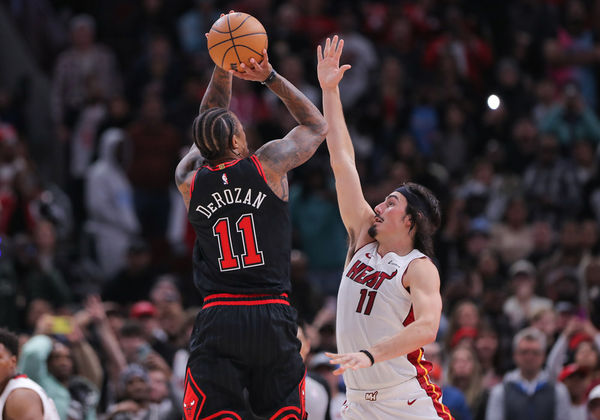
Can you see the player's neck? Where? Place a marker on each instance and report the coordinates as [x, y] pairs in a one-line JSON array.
[[400, 247], [223, 159]]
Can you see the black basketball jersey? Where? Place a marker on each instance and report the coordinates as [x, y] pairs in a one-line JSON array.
[[243, 231]]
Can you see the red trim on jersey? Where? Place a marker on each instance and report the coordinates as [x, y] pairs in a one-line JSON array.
[[222, 166], [433, 391], [258, 166], [192, 184], [288, 416], [245, 303], [410, 318], [22, 375], [222, 413], [229, 295]]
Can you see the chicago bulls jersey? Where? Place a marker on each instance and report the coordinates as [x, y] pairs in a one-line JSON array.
[[243, 231], [374, 305]]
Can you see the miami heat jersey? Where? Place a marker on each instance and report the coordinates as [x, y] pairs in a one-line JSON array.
[[22, 381], [243, 231], [374, 305]]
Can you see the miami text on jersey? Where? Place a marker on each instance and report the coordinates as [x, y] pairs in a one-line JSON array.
[[235, 196]]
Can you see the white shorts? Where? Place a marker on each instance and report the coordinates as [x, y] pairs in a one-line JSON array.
[[415, 399]]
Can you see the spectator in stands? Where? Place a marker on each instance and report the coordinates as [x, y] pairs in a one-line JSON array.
[[593, 403], [464, 373], [524, 303], [528, 392], [112, 221], [67, 368], [80, 67]]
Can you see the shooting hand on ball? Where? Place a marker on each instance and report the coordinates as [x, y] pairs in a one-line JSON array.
[[255, 71], [328, 68]]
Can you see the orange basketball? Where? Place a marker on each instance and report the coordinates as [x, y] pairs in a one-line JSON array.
[[235, 38]]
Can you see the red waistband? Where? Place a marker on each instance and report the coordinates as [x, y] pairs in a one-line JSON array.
[[228, 299]]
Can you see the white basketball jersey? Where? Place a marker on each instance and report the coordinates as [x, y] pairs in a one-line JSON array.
[[374, 305], [22, 381]]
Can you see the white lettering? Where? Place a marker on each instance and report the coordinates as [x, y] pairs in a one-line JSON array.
[[258, 200], [211, 206], [204, 211], [248, 198], [238, 191], [228, 196], [218, 199]]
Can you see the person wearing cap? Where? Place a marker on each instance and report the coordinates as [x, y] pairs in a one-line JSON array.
[[575, 379], [524, 303], [593, 403], [528, 393], [389, 303]]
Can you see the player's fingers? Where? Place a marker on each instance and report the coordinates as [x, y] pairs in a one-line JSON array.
[[338, 50], [254, 64], [344, 68], [265, 56], [319, 54], [334, 44], [327, 46]]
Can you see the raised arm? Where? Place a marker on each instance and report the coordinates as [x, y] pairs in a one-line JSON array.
[[356, 213], [280, 156]]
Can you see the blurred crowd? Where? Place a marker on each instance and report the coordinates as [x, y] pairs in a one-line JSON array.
[[492, 105]]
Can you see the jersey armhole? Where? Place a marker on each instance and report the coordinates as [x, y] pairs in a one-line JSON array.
[[259, 168], [193, 180], [406, 271]]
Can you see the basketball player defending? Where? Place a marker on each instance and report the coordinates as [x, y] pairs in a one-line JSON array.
[[20, 397], [245, 333], [389, 303]]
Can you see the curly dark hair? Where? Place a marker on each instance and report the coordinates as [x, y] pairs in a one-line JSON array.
[[426, 220], [10, 341], [213, 132]]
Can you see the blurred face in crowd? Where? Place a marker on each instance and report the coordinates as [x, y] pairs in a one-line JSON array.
[[82, 36], [486, 345], [548, 150], [159, 385], [529, 357], [523, 285], [545, 322], [60, 362], [467, 315], [8, 365], [462, 363], [137, 389], [44, 236], [131, 347], [516, 213], [586, 355]]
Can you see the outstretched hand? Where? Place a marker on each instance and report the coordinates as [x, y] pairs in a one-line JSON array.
[[256, 72], [345, 361], [328, 68]]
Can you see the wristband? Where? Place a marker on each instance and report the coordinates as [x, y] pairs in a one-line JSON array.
[[269, 78], [369, 355]]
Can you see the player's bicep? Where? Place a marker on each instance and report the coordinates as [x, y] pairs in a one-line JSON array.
[[23, 404], [281, 156], [424, 281]]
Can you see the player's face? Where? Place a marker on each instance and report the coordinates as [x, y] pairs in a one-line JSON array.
[[8, 364], [390, 217]]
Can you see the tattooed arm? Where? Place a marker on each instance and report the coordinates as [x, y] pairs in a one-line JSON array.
[[218, 95], [279, 156], [185, 171]]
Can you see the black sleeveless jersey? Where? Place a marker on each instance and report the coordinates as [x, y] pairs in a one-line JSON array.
[[243, 231]]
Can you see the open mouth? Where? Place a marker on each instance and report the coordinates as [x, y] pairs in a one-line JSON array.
[[378, 219]]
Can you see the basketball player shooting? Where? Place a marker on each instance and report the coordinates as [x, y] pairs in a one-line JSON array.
[[244, 337], [389, 303]]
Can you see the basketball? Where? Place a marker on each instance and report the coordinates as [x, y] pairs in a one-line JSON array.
[[235, 38]]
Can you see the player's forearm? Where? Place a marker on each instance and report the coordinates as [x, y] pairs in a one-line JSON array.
[[339, 143], [413, 337], [218, 93], [301, 108]]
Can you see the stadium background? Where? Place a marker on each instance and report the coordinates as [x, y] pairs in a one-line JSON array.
[[517, 173]]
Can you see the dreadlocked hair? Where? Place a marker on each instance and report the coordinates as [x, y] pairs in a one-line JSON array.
[[426, 223], [213, 132]]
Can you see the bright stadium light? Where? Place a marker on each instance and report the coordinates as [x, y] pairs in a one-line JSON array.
[[493, 102]]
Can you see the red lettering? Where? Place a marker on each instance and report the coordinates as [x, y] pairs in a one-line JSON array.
[[383, 277], [356, 269], [361, 277], [371, 280]]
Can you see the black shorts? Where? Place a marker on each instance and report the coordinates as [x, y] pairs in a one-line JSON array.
[[245, 342]]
